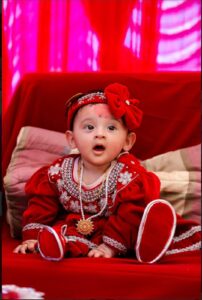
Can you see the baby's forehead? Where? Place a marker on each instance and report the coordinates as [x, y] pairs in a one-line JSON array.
[[97, 109]]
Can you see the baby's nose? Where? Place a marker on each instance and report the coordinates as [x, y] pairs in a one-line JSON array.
[[100, 133]]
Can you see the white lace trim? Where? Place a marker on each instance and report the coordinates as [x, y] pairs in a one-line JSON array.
[[33, 226], [114, 243], [187, 234], [73, 238], [196, 246]]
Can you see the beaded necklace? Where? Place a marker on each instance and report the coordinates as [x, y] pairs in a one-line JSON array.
[[86, 226]]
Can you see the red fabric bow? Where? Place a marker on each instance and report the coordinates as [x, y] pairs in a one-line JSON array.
[[121, 106]]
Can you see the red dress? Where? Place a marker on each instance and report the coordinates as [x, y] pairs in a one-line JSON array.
[[53, 193]]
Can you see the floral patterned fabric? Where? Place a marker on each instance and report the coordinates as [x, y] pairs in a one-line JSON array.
[[54, 195]]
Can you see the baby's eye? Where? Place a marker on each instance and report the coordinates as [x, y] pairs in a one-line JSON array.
[[89, 127], [111, 128]]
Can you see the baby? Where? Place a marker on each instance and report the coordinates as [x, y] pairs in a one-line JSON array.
[[101, 202]]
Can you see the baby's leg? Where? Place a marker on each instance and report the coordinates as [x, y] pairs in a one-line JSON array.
[[54, 243], [156, 231]]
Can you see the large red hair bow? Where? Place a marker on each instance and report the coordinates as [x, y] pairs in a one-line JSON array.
[[121, 106]]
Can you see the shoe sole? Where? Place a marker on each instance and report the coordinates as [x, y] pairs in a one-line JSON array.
[[142, 226]]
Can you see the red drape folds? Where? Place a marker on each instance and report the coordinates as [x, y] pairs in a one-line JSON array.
[[110, 23], [6, 74], [149, 34], [98, 35], [43, 35]]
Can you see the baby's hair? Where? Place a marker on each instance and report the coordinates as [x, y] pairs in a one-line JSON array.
[[71, 100], [74, 98]]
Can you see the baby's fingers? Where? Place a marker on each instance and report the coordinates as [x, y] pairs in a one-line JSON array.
[[26, 247], [98, 254], [21, 249], [17, 249], [91, 253], [95, 253], [32, 246]]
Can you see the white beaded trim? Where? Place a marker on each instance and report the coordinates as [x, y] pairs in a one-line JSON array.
[[187, 234], [73, 238], [114, 243], [33, 226], [91, 96], [196, 246], [90, 195]]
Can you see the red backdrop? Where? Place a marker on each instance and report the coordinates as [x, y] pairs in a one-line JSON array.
[[85, 35]]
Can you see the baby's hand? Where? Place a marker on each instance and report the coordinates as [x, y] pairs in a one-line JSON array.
[[26, 246], [102, 251]]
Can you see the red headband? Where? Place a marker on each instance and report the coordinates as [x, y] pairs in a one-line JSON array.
[[117, 97]]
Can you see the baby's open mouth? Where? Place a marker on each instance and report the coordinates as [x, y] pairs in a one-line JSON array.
[[99, 148]]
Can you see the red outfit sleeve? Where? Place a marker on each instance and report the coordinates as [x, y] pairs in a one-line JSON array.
[[120, 232], [43, 204]]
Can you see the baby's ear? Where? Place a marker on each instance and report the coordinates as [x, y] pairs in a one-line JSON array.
[[70, 139], [130, 141]]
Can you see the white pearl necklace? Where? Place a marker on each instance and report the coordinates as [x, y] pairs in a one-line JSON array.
[[85, 226]]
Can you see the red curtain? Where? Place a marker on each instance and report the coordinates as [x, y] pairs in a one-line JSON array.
[[98, 35], [110, 23]]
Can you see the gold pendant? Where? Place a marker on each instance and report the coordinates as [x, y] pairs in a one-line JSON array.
[[85, 226]]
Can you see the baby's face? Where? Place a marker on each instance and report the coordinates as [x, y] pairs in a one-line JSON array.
[[98, 135]]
